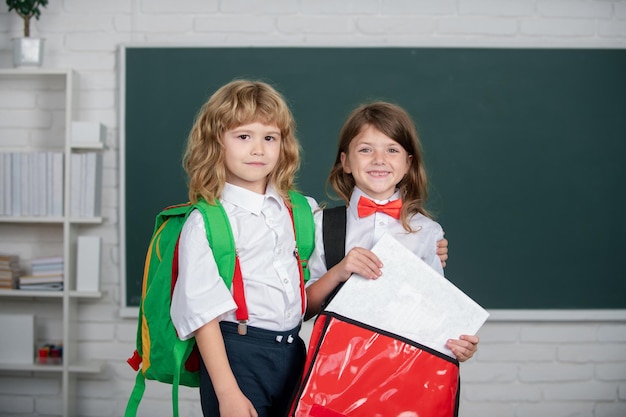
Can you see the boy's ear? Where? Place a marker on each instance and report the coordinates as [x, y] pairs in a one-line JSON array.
[[345, 163]]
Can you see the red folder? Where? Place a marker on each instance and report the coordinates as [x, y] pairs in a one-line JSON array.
[[355, 370]]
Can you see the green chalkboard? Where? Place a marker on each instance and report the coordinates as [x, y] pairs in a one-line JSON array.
[[525, 151]]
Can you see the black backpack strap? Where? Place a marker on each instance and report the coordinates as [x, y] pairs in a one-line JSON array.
[[334, 235]]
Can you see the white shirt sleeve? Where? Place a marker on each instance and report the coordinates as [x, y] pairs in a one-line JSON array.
[[317, 260], [200, 294]]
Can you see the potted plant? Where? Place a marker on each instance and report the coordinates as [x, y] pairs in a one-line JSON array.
[[27, 50]]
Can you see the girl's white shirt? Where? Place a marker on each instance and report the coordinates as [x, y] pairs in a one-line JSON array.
[[264, 238], [366, 231]]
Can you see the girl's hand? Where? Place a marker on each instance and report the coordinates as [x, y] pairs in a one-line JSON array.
[[359, 261], [442, 251], [464, 348], [236, 404]]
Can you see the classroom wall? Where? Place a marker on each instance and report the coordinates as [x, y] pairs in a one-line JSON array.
[[555, 366]]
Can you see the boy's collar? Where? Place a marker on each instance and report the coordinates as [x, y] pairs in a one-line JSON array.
[[249, 200]]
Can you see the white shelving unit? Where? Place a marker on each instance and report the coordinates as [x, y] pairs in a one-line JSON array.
[[63, 304]]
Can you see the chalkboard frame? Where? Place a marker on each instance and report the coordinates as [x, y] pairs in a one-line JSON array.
[[580, 313]]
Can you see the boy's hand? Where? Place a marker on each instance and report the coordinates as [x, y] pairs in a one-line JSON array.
[[236, 404], [464, 348]]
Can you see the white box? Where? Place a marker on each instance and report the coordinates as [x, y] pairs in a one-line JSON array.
[[88, 263], [87, 132], [17, 344]]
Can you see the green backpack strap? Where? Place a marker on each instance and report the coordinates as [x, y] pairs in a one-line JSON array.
[[220, 237], [304, 229], [179, 352], [136, 395], [220, 234]]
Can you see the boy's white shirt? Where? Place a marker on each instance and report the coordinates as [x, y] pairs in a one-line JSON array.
[[263, 233], [366, 232]]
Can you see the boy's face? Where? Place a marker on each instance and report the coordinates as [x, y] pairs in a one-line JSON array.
[[377, 163], [251, 153]]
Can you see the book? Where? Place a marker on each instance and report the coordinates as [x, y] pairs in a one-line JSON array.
[[75, 184], [40, 174], [47, 260], [9, 274], [16, 183], [56, 191], [9, 261], [92, 190], [8, 192], [25, 184], [2, 186], [49, 286], [40, 279]]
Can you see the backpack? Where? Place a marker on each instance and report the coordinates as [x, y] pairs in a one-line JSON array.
[[160, 353]]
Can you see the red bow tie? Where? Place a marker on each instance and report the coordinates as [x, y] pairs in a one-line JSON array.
[[367, 207]]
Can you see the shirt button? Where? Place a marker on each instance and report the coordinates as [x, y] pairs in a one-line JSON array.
[[286, 281]]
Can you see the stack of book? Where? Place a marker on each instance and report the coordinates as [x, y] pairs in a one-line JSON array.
[[9, 271], [47, 274], [31, 184], [86, 184]]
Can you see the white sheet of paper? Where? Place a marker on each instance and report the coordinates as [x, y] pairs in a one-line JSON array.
[[410, 300]]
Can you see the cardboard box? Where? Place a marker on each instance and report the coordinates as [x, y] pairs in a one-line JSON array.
[[88, 263], [17, 344], [87, 132]]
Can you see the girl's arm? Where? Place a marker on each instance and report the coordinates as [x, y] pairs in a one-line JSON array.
[[358, 261], [231, 399], [464, 348]]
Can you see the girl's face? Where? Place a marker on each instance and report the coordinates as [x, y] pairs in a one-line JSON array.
[[251, 154], [377, 162]]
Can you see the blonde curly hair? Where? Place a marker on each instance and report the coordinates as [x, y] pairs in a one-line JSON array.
[[234, 104]]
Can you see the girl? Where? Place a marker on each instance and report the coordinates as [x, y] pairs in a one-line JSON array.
[[242, 151], [379, 162]]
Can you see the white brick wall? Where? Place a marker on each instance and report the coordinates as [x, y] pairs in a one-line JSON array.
[[528, 368]]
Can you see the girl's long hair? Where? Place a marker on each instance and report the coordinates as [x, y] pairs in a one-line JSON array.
[[237, 103], [394, 122]]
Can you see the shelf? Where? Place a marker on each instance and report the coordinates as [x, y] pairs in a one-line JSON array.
[[78, 368], [86, 220], [46, 85], [34, 71], [30, 367], [83, 367], [83, 294], [30, 294], [30, 219], [17, 293], [49, 220]]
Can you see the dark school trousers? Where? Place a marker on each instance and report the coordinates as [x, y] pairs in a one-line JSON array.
[[267, 366]]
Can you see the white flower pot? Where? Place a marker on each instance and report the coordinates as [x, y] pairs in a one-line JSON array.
[[27, 52]]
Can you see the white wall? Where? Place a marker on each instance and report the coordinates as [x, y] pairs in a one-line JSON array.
[[527, 368]]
